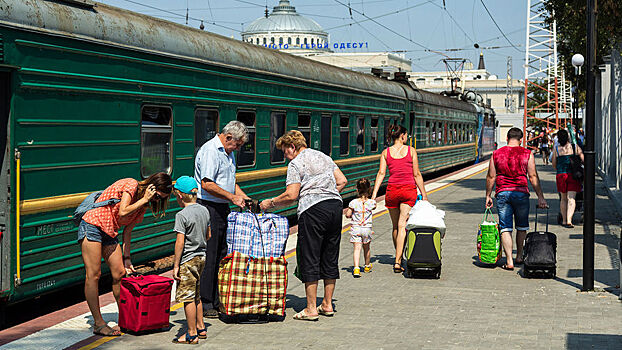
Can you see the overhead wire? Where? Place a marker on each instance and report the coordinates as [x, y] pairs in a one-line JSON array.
[[379, 16], [180, 15], [391, 30], [495, 22]]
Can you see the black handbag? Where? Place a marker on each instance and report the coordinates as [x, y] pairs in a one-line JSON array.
[[576, 165]]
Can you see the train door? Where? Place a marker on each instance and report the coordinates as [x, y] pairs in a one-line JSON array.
[[326, 137], [5, 159]]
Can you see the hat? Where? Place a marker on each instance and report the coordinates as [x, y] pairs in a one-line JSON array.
[[186, 184]]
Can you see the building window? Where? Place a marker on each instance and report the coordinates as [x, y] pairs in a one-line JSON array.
[[304, 126], [420, 80], [305, 41], [246, 155], [326, 134], [277, 129], [281, 41], [360, 135], [344, 135], [156, 136], [312, 41], [272, 40], [265, 42], [374, 134], [289, 41], [205, 126], [297, 41], [257, 41]]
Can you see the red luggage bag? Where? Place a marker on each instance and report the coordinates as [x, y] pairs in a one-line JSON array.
[[145, 302]]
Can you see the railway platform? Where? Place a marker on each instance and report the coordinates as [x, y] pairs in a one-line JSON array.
[[470, 307]]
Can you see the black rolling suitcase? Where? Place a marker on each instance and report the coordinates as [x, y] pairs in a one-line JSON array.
[[540, 252], [422, 251]]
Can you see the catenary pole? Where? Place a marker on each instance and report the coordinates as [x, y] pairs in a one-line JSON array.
[[589, 182]]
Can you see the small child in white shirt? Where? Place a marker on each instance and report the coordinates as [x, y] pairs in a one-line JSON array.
[[360, 210]]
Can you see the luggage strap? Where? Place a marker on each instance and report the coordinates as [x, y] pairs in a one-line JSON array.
[[265, 267]]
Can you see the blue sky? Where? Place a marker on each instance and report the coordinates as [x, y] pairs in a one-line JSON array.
[[412, 26]]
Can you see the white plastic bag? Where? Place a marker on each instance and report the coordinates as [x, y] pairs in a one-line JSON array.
[[424, 214]]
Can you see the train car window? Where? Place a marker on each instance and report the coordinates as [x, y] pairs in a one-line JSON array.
[[156, 137], [344, 135], [426, 135], [374, 134], [304, 126], [326, 139], [277, 129], [246, 155], [434, 133], [205, 126], [439, 134], [360, 135], [455, 128]]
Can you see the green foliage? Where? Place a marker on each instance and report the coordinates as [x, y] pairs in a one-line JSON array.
[[572, 30]]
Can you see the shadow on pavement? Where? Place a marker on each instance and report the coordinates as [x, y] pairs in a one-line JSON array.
[[577, 341]]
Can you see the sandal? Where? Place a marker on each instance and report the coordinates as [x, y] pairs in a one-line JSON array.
[[320, 310], [302, 316], [518, 262], [109, 331], [201, 336], [397, 268], [568, 225], [190, 339], [505, 267]]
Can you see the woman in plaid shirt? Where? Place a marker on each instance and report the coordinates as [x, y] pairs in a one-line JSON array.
[[315, 181]]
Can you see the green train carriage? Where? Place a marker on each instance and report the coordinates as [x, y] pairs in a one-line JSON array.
[[92, 93]]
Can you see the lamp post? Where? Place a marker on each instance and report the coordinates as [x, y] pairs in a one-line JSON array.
[[577, 63]]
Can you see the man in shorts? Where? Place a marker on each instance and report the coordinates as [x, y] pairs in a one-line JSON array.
[[510, 167]]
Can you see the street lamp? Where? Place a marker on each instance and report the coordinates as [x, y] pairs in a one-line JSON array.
[[577, 63]]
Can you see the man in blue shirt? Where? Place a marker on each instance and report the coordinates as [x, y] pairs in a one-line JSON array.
[[214, 169]]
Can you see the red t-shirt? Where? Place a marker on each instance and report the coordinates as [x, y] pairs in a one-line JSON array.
[[511, 165], [107, 217]]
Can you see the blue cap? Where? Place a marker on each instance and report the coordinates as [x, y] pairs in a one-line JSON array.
[[186, 184]]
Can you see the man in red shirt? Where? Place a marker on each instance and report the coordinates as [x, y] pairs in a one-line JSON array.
[[510, 167]]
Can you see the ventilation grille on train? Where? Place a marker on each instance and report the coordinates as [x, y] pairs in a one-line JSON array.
[[1, 49]]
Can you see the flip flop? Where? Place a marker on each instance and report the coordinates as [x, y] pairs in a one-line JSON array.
[[505, 267], [302, 316], [110, 333], [320, 310], [518, 262]]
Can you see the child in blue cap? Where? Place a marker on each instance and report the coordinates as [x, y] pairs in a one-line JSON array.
[[193, 231]]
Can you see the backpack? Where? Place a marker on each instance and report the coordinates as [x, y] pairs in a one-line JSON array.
[[89, 203], [576, 166]]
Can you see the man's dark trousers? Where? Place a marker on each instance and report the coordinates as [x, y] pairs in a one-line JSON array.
[[216, 250]]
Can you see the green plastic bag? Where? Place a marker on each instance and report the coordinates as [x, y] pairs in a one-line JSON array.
[[488, 239]]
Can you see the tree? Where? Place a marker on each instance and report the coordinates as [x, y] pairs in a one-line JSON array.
[[572, 30]]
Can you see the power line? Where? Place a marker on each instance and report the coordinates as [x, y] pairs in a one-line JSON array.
[[379, 16], [389, 29], [495, 22], [454, 20], [180, 15]]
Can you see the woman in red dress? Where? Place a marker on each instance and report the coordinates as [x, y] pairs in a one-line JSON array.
[[404, 179]]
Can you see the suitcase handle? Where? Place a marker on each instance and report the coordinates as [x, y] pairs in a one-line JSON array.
[[547, 219]]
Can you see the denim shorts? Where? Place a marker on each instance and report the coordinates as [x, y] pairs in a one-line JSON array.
[[515, 205], [94, 234]]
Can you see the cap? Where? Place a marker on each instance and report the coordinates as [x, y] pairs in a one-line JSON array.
[[186, 184]]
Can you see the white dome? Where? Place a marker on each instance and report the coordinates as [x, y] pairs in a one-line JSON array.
[[284, 19]]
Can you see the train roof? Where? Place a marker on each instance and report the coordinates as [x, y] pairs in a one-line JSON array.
[[95, 22], [440, 100]]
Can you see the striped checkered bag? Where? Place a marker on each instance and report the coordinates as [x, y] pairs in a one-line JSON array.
[[244, 236], [252, 285]]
